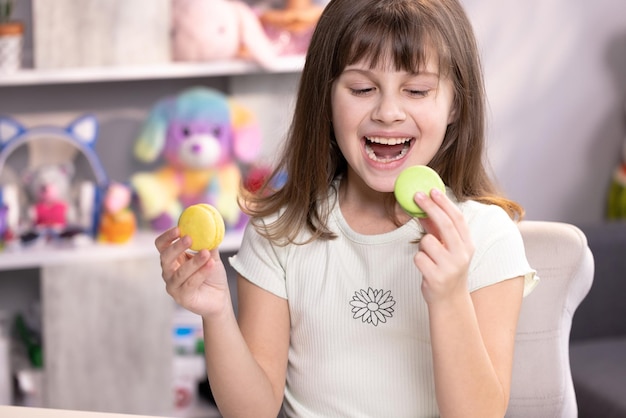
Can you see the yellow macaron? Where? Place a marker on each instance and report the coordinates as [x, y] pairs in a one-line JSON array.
[[204, 224]]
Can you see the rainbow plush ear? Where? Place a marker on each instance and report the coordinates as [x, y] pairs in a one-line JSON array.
[[151, 140], [246, 133]]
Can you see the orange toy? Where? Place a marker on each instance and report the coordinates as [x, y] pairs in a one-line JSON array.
[[297, 16], [118, 223]]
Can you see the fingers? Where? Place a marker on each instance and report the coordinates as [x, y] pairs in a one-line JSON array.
[[445, 220], [171, 248], [166, 238], [179, 267], [447, 248]]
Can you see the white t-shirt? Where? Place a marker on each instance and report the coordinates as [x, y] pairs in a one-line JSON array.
[[360, 342]]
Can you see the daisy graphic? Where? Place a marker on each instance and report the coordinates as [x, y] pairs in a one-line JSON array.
[[372, 306]]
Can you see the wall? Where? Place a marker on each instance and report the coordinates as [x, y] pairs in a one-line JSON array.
[[556, 80]]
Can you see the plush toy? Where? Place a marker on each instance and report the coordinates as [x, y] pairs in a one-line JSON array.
[[616, 206], [205, 139], [118, 223], [207, 30], [43, 182], [49, 188], [291, 27]]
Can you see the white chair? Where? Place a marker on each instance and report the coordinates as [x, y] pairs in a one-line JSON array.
[[542, 381]]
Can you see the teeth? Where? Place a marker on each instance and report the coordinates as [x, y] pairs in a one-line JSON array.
[[375, 157], [387, 141]]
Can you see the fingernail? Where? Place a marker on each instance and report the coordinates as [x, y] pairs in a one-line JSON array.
[[420, 196], [435, 192]]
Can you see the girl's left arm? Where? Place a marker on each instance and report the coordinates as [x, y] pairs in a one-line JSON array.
[[472, 334]]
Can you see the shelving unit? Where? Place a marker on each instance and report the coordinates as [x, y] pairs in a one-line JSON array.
[[106, 316]]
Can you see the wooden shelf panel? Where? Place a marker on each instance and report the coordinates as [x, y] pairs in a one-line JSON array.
[[142, 245], [31, 77]]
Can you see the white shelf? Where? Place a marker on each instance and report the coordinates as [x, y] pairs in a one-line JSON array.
[[33, 77], [141, 245]]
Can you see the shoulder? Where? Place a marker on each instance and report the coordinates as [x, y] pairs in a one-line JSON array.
[[482, 215], [489, 224]]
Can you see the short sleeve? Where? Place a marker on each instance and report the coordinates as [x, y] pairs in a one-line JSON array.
[[499, 251], [258, 262]]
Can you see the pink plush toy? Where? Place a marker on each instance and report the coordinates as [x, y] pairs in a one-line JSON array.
[[206, 30], [204, 139], [49, 187]]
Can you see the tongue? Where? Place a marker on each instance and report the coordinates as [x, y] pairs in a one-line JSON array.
[[386, 151]]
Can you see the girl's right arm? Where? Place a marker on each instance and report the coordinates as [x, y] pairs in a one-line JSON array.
[[246, 361]]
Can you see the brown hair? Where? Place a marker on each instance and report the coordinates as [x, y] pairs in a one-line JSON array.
[[353, 30]]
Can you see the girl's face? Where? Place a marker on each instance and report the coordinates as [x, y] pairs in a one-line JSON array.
[[386, 120]]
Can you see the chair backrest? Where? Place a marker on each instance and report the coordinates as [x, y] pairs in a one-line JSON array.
[[542, 382]]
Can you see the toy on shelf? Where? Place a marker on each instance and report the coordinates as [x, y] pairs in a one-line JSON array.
[[616, 205], [290, 28], [45, 195], [205, 141], [49, 189], [210, 30], [118, 223]]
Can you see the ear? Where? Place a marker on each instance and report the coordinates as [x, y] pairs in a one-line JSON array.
[[84, 129], [67, 169], [453, 115], [151, 140], [9, 129], [27, 176], [246, 133]]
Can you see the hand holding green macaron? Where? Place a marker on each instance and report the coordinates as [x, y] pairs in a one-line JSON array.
[[418, 178]]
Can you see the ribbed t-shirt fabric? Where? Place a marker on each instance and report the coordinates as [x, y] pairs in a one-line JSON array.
[[360, 341]]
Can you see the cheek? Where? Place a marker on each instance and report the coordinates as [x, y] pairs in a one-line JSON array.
[[346, 119], [172, 149]]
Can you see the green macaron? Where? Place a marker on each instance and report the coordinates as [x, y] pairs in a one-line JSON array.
[[418, 178]]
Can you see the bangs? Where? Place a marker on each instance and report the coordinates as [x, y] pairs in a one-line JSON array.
[[387, 37]]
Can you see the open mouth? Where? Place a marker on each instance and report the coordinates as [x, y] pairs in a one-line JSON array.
[[386, 150]]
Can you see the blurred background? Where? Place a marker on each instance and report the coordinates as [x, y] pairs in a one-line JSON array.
[[555, 73]]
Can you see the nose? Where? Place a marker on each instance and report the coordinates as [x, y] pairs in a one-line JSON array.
[[389, 109]]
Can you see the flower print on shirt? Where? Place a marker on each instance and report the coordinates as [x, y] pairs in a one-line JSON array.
[[372, 306]]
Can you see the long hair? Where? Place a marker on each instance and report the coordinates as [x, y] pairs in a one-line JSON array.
[[350, 31]]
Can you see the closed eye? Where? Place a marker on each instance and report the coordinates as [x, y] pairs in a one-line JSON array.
[[361, 92], [418, 93]]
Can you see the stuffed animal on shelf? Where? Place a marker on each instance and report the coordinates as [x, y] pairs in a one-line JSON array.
[[291, 27], [43, 182], [205, 140], [616, 205], [210, 30], [49, 189], [118, 223]]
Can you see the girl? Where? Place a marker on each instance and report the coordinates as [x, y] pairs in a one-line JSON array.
[[347, 306]]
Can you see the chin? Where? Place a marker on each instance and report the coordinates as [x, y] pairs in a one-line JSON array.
[[382, 185]]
